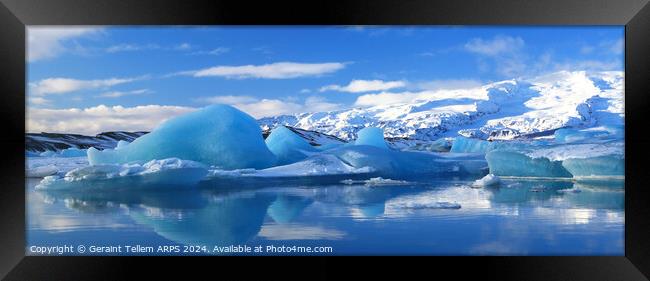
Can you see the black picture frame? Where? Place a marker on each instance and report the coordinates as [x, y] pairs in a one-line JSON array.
[[633, 14]]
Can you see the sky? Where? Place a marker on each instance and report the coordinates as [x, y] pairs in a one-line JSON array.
[[91, 79]]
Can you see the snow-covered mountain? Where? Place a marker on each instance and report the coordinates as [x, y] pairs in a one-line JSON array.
[[39, 142], [503, 110]]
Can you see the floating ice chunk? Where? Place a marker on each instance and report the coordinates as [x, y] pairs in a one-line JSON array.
[[440, 145], [376, 181], [317, 165], [510, 163], [45, 166], [599, 166], [231, 173], [41, 171], [466, 145], [429, 205], [217, 135], [171, 171], [287, 146], [371, 136], [488, 180], [389, 163]]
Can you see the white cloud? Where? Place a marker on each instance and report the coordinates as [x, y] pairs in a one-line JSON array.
[[38, 101], [131, 47], [93, 120], [50, 42], [278, 70], [117, 94], [214, 52], [227, 99], [259, 108], [65, 85], [360, 86], [496, 46]]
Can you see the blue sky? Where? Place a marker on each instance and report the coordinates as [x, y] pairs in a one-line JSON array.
[[76, 74]]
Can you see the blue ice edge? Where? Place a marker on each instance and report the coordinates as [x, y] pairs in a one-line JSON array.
[[221, 141]]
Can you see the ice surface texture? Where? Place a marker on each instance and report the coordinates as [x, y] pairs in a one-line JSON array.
[[217, 135], [510, 163], [371, 136], [171, 171], [287, 146]]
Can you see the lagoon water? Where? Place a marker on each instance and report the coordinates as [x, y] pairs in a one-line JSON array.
[[420, 217]]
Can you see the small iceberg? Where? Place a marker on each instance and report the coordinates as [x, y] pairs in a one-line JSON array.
[[488, 180], [375, 181], [430, 205], [170, 171], [41, 171]]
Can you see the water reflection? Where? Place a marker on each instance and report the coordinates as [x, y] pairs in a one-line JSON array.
[[222, 213]]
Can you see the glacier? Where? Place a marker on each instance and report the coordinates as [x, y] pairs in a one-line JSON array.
[[217, 135]]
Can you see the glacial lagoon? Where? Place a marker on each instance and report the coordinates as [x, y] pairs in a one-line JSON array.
[[353, 216]]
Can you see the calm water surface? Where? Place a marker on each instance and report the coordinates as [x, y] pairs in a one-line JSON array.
[[520, 217]]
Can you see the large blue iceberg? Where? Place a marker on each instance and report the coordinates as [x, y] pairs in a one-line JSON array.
[[217, 135], [287, 146]]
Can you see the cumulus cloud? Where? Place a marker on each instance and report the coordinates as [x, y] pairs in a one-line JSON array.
[[94, 120], [259, 108], [360, 86], [495, 46], [50, 42], [60, 85], [278, 70]]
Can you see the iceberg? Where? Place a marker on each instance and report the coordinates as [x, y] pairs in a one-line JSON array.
[[371, 136], [72, 152], [406, 163], [287, 146], [469, 145], [41, 171], [488, 180], [217, 135], [517, 164], [375, 182], [317, 165], [600, 166], [171, 171]]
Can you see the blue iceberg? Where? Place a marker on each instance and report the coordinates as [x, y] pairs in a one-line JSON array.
[[287, 146], [600, 166], [217, 135], [511, 163], [371, 136]]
